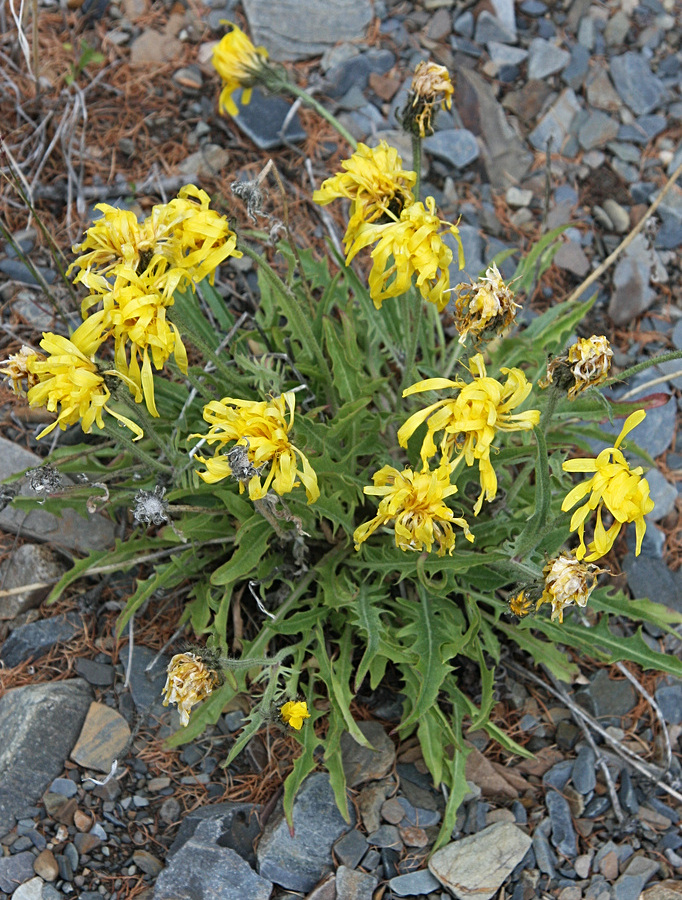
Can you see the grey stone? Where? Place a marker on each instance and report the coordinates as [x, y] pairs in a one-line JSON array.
[[616, 28], [355, 71], [555, 124], [672, 367], [362, 764], [419, 882], [206, 871], [299, 29], [559, 775], [654, 542], [103, 738], [18, 271], [668, 695], [30, 890], [631, 883], [626, 793], [386, 836], [351, 885], [650, 577], [350, 849], [663, 493], [207, 162], [545, 59], [604, 697], [64, 786], [597, 130], [669, 236], [575, 72], [36, 638], [474, 867], [456, 146], [70, 530], [417, 815], [472, 242], [490, 28], [584, 774], [40, 724], [15, 870], [571, 256], [634, 81], [263, 118], [146, 687], [545, 857], [518, 198], [28, 564], [586, 32], [464, 24], [504, 12], [618, 215], [297, 863], [227, 824], [596, 807], [99, 674], [505, 54], [632, 293], [505, 156]]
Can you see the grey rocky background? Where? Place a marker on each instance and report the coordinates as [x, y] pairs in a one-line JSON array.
[[565, 113]]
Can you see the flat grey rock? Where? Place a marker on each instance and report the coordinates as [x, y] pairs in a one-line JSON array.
[[456, 146], [206, 871], [414, 883], [36, 638], [663, 493], [597, 130], [262, 120], [638, 87], [563, 837], [632, 292], [505, 54], [353, 885], [69, 531], [545, 59], [668, 695], [28, 564], [227, 824], [473, 868], [490, 28], [650, 577], [361, 764], [555, 124], [15, 870], [40, 724], [146, 687], [299, 29], [299, 862]]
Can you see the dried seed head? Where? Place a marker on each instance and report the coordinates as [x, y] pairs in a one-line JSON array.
[[16, 369], [485, 308], [150, 507], [45, 480], [585, 364], [522, 603], [568, 581], [190, 681], [431, 86], [7, 493], [241, 467]]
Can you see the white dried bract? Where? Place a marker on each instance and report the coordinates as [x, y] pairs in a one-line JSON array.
[[150, 507]]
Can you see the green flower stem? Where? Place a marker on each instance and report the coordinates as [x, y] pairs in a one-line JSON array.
[[120, 436], [306, 98], [640, 367], [296, 316], [417, 162]]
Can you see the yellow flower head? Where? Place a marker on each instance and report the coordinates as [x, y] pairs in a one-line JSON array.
[[568, 581], [431, 86], [262, 428], [412, 246], [294, 712], [614, 487], [415, 503], [585, 364], [470, 420], [486, 308], [68, 377], [16, 370], [240, 65], [190, 681], [134, 311], [376, 184], [520, 603]]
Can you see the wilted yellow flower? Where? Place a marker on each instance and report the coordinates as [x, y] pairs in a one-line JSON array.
[[240, 65], [485, 308], [262, 427], [134, 311], [415, 503], [568, 581], [190, 681], [68, 377], [376, 184], [17, 372], [585, 364], [294, 712], [470, 420], [520, 604], [431, 86], [412, 246], [615, 487]]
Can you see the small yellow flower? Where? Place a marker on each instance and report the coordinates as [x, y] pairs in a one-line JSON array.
[[190, 681], [568, 581], [376, 184], [68, 377], [262, 427], [431, 85], [415, 503], [520, 604], [294, 712], [470, 420], [615, 487], [240, 65], [412, 246], [16, 370], [485, 308], [585, 364]]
